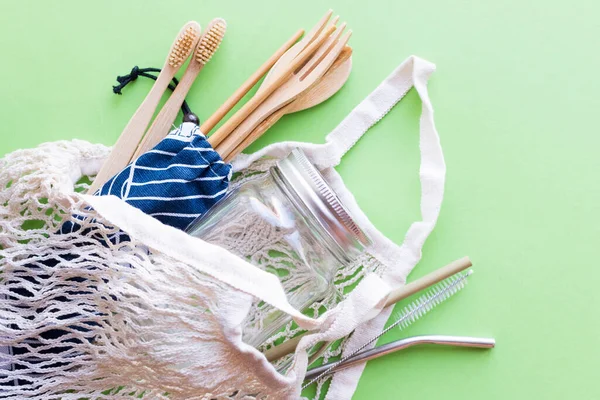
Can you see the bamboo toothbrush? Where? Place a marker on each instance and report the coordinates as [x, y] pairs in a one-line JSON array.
[[436, 295], [207, 46], [395, 296], [132, 134]]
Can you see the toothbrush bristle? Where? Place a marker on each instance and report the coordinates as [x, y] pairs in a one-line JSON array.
[[210, 41], [183, 46]]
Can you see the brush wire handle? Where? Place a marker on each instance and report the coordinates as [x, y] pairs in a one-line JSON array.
[[380, 351]]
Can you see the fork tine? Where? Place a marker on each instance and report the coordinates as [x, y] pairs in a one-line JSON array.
[[322, 51], [295, 50], [329, 58], [331, 28], [335, 20], [316, 30], [345, 54]]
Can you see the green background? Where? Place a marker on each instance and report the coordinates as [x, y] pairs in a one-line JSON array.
[[516, 100]]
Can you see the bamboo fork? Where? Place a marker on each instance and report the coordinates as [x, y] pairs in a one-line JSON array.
[[214, 119], [300, 81], [130, 137], [282, 57], [395, 296], [255, 101], [289, 55], [326, 86], [208, 44]]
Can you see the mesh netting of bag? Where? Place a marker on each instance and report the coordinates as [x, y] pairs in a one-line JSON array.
[[85, 316]]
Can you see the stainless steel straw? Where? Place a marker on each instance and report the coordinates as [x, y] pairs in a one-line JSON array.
[[460, 341], [425, 303]]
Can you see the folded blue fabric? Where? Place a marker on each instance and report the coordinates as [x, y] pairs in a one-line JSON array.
[[176, 181]]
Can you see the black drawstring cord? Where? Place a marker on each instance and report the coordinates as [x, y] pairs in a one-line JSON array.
[[188, 115]]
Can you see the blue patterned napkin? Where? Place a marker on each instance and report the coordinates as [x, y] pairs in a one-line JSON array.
[[176, 181]]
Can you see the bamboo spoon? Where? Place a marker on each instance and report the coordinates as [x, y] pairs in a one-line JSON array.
[[395, 296], [132, 134], [300, 81], [326, 87], [207, 46], [218, 115], [255, 101]]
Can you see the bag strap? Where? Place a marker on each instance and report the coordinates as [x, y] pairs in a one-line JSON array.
[[399, 259], [414, 71], [372, 109]]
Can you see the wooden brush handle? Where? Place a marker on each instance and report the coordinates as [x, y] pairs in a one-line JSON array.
[[218, 115], [125, 147], [285, 348], [164, 120], [255, 101], [430, 279], [395, 296]]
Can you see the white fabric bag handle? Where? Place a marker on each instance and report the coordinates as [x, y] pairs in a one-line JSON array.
[[372, 109], [399, 259], [207, 258], [414, 71]]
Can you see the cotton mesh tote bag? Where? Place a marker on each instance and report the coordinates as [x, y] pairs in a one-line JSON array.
[[160, 315]]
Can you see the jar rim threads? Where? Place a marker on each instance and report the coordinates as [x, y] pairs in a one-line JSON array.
[[309, 185]]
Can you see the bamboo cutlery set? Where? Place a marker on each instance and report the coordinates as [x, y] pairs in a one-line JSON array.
[[299, 75]]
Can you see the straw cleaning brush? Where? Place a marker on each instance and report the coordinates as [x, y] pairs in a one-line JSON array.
[[411, 313]]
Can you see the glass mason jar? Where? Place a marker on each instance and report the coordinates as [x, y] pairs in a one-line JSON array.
[[289, 222]]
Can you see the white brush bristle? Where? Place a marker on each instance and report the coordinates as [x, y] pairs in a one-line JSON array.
[[436, 295]]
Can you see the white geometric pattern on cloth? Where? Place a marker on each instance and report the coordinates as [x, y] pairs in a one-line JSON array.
[[167, 324], [177, 181]]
